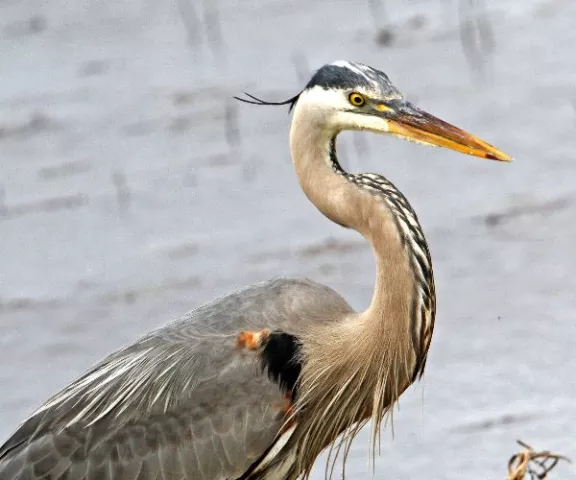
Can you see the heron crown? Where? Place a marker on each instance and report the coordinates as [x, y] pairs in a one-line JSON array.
[[344, 75]]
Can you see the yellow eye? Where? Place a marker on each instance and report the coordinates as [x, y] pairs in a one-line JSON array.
[[356, 99]]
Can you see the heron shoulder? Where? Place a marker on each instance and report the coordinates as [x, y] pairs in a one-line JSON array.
[[279, 303], [183, 366]]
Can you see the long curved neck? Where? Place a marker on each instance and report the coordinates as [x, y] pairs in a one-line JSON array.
[[358, 365], [344, 202]]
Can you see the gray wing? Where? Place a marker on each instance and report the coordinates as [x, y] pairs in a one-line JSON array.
[[183, 402]]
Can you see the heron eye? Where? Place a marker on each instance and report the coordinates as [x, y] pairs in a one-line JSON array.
[[356, 99]]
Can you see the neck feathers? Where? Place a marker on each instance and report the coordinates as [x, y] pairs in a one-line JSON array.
[[356, 369], [404, 295]]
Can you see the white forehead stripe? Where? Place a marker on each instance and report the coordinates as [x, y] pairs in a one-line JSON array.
[[357, 68]]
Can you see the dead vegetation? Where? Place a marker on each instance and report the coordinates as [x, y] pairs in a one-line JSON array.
[[532, 464]]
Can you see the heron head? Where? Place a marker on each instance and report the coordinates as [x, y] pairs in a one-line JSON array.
[[352, 96]]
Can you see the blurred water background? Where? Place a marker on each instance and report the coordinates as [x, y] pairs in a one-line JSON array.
[[132, 189]]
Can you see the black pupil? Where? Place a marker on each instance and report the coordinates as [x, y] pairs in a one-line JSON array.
[[357, 99]]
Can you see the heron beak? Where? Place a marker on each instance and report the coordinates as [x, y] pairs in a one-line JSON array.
[[411, 123]]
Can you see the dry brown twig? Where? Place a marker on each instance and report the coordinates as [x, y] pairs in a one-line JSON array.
[[530, 462]]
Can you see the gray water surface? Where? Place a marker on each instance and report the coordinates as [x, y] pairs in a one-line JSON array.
[[132, 189]]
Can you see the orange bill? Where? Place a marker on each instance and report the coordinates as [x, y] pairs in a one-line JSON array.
[[412, 123]]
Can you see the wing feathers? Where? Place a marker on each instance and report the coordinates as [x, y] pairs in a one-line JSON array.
[[180, 402]]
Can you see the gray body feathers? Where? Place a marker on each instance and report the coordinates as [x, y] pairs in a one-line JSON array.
[[181, 403]]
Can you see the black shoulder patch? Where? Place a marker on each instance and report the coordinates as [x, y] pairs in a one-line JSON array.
[[280, 358]]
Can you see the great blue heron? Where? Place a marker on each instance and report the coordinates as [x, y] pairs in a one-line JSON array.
[[254, 385]]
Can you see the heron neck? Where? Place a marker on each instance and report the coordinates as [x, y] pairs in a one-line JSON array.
[[335, 194]]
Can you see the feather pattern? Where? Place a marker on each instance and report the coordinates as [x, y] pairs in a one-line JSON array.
[[181, 402], [424, 305], [423, 312]]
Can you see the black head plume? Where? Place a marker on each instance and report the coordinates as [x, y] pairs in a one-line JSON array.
[[257, 101]]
